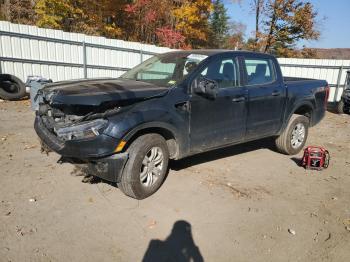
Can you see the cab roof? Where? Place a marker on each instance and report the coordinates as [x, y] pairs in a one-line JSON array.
[[210, 52]]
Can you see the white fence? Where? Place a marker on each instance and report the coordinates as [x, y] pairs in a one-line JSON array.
[[29, 50], [334, 71]]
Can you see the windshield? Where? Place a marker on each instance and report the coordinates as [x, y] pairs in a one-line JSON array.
[[165, 70]]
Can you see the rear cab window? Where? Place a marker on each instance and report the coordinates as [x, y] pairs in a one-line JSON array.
[[260, 71]]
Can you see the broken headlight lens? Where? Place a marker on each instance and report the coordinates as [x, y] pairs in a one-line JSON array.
[[83, 130]]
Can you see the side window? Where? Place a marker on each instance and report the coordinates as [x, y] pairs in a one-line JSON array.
[[260, 71], [224, 71]]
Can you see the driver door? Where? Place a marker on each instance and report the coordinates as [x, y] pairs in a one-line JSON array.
[[219, 121]]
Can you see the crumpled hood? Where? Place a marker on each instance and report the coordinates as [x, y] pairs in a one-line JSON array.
[[94, 92]]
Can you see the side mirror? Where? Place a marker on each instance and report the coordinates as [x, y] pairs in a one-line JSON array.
[[206, 87]]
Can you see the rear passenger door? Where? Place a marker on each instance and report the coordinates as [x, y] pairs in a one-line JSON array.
[[266, 96]]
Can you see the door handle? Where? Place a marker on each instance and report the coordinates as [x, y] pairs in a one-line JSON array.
[[183, 106], [276, 93], [238, 99]]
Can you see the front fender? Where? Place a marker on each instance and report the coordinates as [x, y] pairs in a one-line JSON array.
[[175, 122]]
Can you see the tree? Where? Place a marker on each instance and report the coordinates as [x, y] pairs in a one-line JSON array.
[[191, 21], [288, 21], [18, 11], [235, 36], [51, 13], [218, 25], [258, 8], [170, 38], [81, 16]]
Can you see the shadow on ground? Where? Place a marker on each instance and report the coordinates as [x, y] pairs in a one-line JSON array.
[[222, 153], [179, 246]]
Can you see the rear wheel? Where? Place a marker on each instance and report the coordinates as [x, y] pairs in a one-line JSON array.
[[11, 87], [340, 107], [293, 138], [146, 168]]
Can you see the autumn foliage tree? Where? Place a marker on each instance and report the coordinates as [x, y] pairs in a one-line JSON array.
[[18, 11], [82, 16], [191, 20], [284, 23], [280, 24]]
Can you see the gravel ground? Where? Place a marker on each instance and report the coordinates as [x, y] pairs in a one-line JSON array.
[[243, 203]]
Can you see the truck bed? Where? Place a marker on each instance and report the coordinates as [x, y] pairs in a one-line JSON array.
[[293, 79]]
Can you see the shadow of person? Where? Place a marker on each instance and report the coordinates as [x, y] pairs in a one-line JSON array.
[[178, 247]]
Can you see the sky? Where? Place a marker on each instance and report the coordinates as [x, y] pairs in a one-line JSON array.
[[335, 28]]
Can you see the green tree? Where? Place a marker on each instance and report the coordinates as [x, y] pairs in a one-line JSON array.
[[218, 25]]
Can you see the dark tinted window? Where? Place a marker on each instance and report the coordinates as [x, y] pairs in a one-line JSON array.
[[224, 71], [260, 71]]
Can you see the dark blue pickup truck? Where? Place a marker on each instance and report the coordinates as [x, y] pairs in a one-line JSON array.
[[174, 105]]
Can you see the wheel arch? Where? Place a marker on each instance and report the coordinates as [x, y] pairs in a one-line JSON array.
[[164, 130], [304, 108]]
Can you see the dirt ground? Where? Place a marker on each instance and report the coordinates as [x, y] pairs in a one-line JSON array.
[[243, 203]]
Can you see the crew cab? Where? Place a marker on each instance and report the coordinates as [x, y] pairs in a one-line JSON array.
[[174, 105]]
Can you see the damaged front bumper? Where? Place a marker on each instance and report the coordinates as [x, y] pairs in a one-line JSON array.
[[108, 168], [96, 155], [96, 147]]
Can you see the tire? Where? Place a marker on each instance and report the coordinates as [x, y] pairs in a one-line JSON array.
[[284, 142], [340, 107], [140, 152], [11, 87]]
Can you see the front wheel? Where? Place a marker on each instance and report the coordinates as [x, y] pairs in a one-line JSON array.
[[293, 138], [146, 167]]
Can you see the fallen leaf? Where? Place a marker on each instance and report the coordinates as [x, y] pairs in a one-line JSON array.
[[152, 224], [291, 231], [29, 147], [346, 222]]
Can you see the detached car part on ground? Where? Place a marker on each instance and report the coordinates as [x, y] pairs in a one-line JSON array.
[[11, 87], [175, 105]]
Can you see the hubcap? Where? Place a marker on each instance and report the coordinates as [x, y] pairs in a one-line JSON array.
[[152, 166], [298, 135]]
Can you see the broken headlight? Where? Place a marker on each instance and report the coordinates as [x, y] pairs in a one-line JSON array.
[[83, 130]]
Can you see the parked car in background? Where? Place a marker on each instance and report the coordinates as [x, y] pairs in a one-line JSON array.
[[172, 106], [343, 105]]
